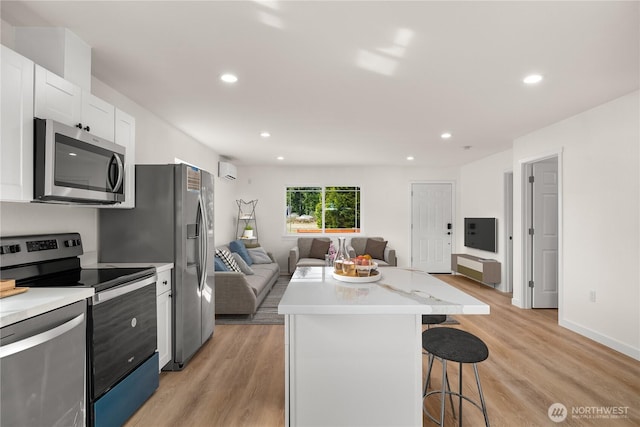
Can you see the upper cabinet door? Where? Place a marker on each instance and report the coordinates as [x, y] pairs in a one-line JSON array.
[[56, 98], [125, 135], [16, 131], [97, 116]]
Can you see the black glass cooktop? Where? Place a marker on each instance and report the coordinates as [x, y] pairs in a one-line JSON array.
[[98, 278]]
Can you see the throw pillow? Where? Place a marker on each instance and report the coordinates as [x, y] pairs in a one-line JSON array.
[[219, 265], [259, 256], [319, 248], [375, 248], [228, 260], [243, 265], [238, 247]]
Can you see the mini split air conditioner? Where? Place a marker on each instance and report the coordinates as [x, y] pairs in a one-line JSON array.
[[227, 171]]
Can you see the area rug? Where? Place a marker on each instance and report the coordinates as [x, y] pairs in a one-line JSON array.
[[267, 313]]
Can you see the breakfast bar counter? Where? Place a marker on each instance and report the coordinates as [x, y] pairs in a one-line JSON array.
[[353, 350]]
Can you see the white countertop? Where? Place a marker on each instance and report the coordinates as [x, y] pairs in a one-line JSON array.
[[159, 266], [37, 301], [313, 290]]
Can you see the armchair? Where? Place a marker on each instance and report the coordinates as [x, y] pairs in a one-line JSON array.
[[384, 258], [308, 253]]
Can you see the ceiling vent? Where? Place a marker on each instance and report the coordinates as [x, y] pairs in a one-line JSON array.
[[227, 171]]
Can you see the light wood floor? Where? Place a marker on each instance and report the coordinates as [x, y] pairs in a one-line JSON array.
[[237, 378]]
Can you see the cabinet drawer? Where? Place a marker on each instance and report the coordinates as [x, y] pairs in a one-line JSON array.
[[164, 282]]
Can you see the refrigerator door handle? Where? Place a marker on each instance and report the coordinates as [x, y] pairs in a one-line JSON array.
[[202, 235]]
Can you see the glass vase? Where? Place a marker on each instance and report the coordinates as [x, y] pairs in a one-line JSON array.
[[342, 261]]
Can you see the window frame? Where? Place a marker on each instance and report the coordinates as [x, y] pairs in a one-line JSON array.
[[324, 231]]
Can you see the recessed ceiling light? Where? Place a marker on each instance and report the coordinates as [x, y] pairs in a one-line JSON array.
[[410, 157], [228, 78], [265, 134], [532, 79], [445, 135], [280, 158], [72, 154]]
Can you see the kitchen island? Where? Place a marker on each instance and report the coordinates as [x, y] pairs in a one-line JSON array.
[[353, 350]]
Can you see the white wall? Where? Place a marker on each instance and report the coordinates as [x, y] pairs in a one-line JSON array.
[[482, 195], [600, 216], [156, 142], [385, 204]]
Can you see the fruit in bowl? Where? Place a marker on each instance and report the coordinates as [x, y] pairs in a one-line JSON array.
[[363, 260]]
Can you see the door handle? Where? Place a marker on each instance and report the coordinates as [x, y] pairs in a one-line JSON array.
[[203, 243], [120, 175]]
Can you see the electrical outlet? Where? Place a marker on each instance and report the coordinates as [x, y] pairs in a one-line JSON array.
[[592, 296]]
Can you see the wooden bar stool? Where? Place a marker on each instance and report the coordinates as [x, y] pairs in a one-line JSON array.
[[455, 345]]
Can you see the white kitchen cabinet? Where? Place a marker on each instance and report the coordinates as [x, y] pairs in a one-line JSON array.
[[56, 98], [125, 135], [16, 131], [163, 294], [97, 116], [60, 100]]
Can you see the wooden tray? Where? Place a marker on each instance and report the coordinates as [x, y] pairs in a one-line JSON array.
[[6, 284], [14, 291]]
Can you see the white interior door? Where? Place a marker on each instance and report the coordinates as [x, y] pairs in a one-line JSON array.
[[545, 234], [431, 227]]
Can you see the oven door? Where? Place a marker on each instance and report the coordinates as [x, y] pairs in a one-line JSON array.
[[73, 165], [124, 332], [42, 363]]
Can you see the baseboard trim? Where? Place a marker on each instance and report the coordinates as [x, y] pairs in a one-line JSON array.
[[602, 339]]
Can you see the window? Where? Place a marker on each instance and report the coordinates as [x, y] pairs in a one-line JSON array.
[[323, 210]]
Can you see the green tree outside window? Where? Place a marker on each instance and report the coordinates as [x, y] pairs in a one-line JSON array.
[[323, 209]]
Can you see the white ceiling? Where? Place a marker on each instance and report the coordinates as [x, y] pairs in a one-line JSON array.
[[361, 82]]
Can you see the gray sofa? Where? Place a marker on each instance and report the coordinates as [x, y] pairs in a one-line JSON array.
[[299, 254], [237, 293], [357, 247]]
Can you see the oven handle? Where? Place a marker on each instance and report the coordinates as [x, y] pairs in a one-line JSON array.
[[41, 338], [112, 293]]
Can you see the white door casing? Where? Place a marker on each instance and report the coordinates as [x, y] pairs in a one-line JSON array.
[[431, 226], [508, 227], [545, 234]]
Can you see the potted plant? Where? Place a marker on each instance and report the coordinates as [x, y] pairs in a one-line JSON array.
[[248, 232]]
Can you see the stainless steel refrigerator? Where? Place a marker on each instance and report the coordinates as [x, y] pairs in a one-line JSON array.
[[172, 222]]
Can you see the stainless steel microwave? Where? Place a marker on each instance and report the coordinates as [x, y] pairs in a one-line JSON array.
[[74, 166]]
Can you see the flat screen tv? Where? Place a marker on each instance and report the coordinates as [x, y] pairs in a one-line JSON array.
[[481, 233]]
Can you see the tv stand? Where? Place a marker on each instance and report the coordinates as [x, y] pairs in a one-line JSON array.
[[481, 269]]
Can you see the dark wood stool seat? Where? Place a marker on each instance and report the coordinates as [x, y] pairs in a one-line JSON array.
[[454, 345]]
